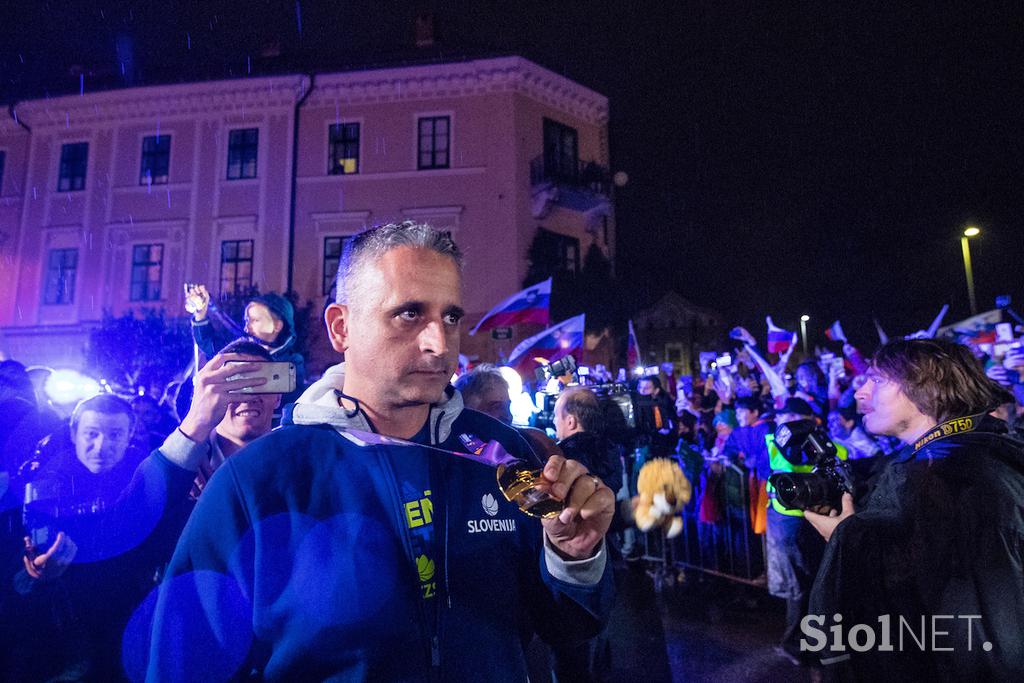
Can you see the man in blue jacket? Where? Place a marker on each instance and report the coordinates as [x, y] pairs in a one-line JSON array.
[[311, 557]]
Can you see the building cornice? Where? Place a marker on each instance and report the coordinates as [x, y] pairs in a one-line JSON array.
[[460, 79], [239, 96], [164, 102], [8, 126]]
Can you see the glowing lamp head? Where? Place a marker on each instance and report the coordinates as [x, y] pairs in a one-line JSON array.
[[972, 232], [805, 318]]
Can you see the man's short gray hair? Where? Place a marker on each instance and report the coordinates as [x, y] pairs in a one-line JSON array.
[[479, 381], [371, 244]]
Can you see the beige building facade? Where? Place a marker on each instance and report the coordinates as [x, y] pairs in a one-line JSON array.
[[112, 200]]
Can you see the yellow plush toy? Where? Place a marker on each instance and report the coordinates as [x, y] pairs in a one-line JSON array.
[[664, 490]]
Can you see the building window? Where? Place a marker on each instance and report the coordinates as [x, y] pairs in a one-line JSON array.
[[235, 266], [554, 252], [147, 271], [434, 142], [61, 267], [561, 151], [333, 249], [344, 148], [74, 157], [156, 159], [568, 253], [242, 144]]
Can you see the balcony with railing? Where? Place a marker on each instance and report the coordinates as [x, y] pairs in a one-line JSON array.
[[581, 186], [574, 174]]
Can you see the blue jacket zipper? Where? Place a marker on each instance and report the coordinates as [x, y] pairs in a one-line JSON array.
[[438, 470], [435, 653]]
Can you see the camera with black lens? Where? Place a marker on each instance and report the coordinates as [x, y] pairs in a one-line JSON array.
[[626, 414], [806, 443], [563, 367], [45, 512]]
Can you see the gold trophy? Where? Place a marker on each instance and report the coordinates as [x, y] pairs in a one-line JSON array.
[[529, 490]]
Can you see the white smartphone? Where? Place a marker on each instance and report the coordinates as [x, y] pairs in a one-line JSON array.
[[280, 376]]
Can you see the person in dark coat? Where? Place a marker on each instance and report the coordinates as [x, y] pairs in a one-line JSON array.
[[938, 546], [579, 430]]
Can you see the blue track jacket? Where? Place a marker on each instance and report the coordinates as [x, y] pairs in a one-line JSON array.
[[297, 563]]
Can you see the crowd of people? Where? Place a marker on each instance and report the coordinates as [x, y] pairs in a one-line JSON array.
[[726, 420], [142, 543], [163, 540]]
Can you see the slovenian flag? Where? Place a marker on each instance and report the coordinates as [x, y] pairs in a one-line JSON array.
[[528, 306], [779, 340], [835, 333], [551, 344], [632, 349]]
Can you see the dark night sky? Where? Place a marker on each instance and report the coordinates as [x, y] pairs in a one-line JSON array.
[[821, 158]]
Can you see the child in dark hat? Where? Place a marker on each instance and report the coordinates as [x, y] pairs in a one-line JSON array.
[[269, 321]]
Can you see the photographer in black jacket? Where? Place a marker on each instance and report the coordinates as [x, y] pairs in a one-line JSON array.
[[579, 427], [939, 543]]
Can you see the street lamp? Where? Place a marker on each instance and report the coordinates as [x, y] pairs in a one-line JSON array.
[[971, 231], [803, 330]]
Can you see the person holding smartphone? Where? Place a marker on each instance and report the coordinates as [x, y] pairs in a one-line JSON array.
[[362, 540], [269, 321]]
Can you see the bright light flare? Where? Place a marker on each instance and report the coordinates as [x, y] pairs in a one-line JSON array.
[[515, 382], [65, 387], [522, 409]]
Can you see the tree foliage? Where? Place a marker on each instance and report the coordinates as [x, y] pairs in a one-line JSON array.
[[146, 349], [594, 290], [139, 350]]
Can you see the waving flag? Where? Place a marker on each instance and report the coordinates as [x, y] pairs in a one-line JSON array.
[[779, 340], [882, 336], [632, 349], [835, 332], [933, 328], [527, 306], [553, 343]]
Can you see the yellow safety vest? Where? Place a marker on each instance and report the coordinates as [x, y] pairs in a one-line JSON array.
[[778, 463]]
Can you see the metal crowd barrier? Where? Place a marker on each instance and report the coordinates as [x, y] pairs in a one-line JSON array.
[[728, 548]]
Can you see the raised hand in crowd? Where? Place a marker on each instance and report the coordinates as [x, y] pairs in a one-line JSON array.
[[1014, 360], [217, 385], [54, 562], [1000, 375], [743, 335], [771, 376], [725, 387], [835, 389], [780, 367], [197, 301]]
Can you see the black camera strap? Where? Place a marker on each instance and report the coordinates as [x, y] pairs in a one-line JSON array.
[[958, 425]]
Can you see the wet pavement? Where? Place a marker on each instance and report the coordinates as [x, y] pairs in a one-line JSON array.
[[699, 628]]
